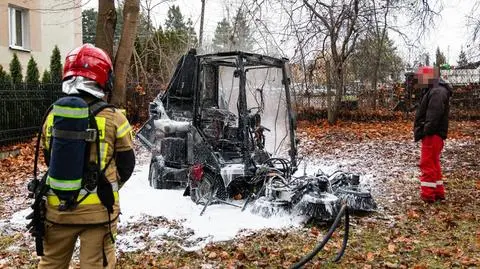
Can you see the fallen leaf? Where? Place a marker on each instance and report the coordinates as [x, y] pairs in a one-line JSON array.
[[314, 231], [224, 255], [370, 256], [391, 248], [412, 214], [390, 265], [469, 261], [240, 255], [212, 255]]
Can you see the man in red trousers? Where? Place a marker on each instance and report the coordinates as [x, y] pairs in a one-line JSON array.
[[431, 127]]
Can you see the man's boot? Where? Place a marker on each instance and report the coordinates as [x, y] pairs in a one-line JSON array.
[[440, 191], [427, 191]]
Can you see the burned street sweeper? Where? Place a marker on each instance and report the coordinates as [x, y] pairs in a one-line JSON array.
[[225, 131]]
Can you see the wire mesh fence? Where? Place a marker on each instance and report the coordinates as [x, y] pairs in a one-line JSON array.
[[389, 102]]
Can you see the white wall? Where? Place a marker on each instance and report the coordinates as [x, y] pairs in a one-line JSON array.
[[51, 22]]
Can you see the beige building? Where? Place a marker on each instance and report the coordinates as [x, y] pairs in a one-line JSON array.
[[34, 27]]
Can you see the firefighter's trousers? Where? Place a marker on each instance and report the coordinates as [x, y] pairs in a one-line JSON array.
[[59, 243], [431, 184]]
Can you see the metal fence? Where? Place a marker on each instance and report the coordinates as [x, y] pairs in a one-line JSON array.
[[365, 101], [22, 107]]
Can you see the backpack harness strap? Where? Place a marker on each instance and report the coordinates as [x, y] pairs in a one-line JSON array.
[[89, 135], [96, 107]]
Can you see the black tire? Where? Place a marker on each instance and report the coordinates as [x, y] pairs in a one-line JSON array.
[[201, 191], [154, 175]]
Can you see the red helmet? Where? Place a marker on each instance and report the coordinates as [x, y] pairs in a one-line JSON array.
[[90, 62]]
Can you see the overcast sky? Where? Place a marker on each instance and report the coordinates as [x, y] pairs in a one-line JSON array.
[[450, 33]]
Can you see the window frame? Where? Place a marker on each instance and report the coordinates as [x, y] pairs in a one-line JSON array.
[[12, 27]]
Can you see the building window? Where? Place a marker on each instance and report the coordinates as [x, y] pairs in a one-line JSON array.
[[19, 32]]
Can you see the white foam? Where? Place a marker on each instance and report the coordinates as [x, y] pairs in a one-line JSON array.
[[220, 222]]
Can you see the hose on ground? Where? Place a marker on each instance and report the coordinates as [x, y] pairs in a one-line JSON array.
[[314, 252], [345, 236]]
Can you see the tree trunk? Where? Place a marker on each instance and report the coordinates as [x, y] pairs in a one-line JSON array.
[[379, 41], [200, 37], [106, 21], [131, 9], [329, 90], [338, 82], [376, 67], [375, 80]]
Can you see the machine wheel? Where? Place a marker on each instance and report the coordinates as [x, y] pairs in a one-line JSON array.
[[154, 175], [200, 192]]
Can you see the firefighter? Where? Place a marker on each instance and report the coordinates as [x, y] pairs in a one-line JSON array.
[[88, 73], [431, 127]]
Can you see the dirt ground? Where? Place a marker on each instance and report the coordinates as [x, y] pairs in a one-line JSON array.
[[404, 233]]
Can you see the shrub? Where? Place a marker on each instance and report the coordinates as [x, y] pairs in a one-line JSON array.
[[33, 74], [16, 70], [4, 77], [46, 78], [56, 66]]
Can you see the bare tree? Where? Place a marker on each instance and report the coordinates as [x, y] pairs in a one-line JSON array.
[[342, 22], [131, 9], [106, 21], [327, 31], [148, 6], [473, 23]]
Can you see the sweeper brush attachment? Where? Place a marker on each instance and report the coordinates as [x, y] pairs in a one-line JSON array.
[[347, 187], [268, 208], [323, 206], [312, 198], [356, 198]]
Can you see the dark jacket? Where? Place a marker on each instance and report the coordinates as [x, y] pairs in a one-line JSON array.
[[432, 113]]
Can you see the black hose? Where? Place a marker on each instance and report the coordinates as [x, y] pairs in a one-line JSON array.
[[286, 167], [308, 257], [345, 236]]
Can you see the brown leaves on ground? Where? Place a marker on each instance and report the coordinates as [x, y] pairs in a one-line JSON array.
[[18, 169], [406, 233], [360, 131]]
